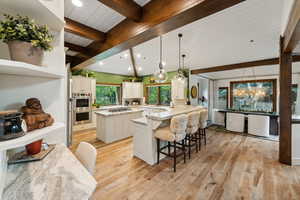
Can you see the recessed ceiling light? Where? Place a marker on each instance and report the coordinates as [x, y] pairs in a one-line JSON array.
[[129, 69], [101, 63], [125, 55], [77, 3], [140, 69], [163, 63], [138, 55]]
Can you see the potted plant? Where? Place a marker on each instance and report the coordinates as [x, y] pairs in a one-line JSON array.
[[26, 40]]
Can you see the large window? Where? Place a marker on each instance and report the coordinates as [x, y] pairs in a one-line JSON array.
[[253, 95], [159, 94], [223, 98], [108, 94]]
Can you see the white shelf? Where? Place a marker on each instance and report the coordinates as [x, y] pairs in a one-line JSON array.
[[36, 10], [30, 137], [25, 69]]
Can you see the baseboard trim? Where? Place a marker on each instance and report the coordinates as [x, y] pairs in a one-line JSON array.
[[295, 161]]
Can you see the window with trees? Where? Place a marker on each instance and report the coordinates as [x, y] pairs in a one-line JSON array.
[[159, 94], [223, 98], [108, 94]]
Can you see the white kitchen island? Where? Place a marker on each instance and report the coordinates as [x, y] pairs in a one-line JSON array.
[[114, 126], [144, 143]]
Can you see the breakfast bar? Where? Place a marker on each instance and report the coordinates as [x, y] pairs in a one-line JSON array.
[[144, 143]]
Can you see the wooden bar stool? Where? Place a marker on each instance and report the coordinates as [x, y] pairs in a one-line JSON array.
[[192, 129], [203, 125], [174, 134]]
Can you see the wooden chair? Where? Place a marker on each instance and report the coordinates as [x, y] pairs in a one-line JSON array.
[[175, 133], [192, 129], [87, 155]]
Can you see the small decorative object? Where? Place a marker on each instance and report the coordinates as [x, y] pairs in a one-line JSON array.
[[26, 40], [194, 92], [34, 148], [34, 115]]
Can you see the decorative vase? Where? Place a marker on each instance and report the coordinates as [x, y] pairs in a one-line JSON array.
[[25, 52], [34, 148]]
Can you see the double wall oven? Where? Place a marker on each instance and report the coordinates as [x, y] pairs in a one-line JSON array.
[[82, 108]]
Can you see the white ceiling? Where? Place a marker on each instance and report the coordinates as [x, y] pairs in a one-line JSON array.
[[223, 38], [249, 72], [93, 14]]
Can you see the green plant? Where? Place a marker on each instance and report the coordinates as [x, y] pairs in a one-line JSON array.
[[26, 30]]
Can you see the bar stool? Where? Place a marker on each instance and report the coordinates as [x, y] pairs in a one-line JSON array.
[[173, 134], [203, 125], [192, 128]]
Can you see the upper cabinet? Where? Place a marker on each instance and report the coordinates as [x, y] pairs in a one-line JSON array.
[[132, 90], [82, 84], [178, 89]]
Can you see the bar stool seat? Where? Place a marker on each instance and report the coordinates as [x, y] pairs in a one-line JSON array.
[[173, 134]]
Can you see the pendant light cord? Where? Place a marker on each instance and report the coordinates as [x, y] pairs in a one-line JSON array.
[[160, 62], [179, 52]]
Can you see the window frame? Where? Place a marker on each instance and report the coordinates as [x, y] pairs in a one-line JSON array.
[[158, 85], [273, 81], [110, 84]]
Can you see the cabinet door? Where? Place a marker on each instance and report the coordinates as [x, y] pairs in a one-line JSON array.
[[178, 89], [93, 89]]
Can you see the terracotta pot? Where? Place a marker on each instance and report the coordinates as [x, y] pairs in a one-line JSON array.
[[34, 148], [25, 52]]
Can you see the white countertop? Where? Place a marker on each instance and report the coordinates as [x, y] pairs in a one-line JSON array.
[[107, 113], [58, 176]]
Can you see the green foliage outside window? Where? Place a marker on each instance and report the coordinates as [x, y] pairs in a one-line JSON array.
[[165, 95], [159, 95], [152, 95], [107, 95]]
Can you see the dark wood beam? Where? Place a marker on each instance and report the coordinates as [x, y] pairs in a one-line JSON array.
[[83, 30], [159, 17], [77, 48], [73, 60], [285, 107], [127, 8], [257, 63], [292, 32], [133, 62]]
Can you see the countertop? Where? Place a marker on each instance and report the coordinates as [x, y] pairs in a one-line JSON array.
[[248, 113], [58, 176], [171, 112], [107, 113]]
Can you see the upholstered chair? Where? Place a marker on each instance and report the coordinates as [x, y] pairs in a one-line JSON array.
[[87, 155], [203, 125], [173, 134], [192, 128]]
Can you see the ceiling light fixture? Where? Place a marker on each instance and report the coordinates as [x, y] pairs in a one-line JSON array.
[[138, 55], [160, 75], [140, 69], [125, 55], [163, 63], [129, 68], [77, 3], [180, 74], [101, 63]]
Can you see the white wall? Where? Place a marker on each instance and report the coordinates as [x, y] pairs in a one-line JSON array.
[[203, 89], [296, 144]]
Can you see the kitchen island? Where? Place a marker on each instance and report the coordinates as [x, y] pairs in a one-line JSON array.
[[144, 143], [114, 124]]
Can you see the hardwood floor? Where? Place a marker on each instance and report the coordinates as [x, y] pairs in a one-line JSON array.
[[229, 167]]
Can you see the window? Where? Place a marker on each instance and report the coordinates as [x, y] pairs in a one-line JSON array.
[[253, 95], [223, 98], [108, 94], [159, 94], [294, 98]]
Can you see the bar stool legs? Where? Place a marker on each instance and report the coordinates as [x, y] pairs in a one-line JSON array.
[[174, 156], [158, 149]]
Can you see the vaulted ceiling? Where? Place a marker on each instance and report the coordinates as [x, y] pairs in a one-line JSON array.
[[246, 32]]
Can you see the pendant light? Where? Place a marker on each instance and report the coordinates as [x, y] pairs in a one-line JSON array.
[[179, 76], [160, 75]]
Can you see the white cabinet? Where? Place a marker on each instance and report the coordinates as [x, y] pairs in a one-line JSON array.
[[178, 89], [132, 90], [82, 84]]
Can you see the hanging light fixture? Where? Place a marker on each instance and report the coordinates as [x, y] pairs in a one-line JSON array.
[[179, 76], [160, 75]]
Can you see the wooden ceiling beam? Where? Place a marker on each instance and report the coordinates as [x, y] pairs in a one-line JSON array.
[[159, 17], [83, 30], [257, 63], [292, 32], [73, 60], [127, 8], [77, 48], [133, 62]]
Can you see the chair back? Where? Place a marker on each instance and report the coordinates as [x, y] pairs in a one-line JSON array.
[[193, 122], [179, 124], [203, 118], [87, 155]]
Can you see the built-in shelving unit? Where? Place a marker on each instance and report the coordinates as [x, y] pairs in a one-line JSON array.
[[36, 9], [31, 137], [25, 69]]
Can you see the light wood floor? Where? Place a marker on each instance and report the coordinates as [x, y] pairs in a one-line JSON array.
[[229, 167]]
